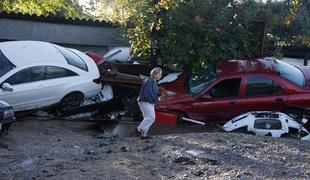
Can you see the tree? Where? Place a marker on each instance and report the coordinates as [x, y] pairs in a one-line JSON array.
[[193, 32], [200, 32], [63, 8]]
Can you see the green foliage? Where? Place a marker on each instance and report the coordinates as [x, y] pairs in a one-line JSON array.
[[63, 8], [202, 32], [298, 31], [193, 33]]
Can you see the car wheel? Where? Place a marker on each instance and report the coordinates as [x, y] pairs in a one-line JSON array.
[[71, 100], [295, 114]]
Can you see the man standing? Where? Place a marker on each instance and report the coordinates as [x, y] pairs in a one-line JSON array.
[[148, 96]]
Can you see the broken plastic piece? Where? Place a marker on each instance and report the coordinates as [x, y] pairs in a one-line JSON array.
[[193, 121], [264, 123]]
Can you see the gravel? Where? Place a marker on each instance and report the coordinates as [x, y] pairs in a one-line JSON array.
[[56, 149]]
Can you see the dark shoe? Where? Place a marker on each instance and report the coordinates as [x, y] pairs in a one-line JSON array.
[[136, 133], [146, 137]]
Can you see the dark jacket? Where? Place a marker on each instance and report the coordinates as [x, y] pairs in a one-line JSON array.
[[149, 92]]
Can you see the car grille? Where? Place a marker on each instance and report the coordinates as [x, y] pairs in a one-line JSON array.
[[267, 124]]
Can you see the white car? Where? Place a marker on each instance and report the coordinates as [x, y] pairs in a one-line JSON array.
[[36, 74]]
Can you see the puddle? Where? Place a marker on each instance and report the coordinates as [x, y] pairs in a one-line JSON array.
[[124, 129], [27, 162]]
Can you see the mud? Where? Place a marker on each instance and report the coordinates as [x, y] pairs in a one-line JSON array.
[[58, 149]]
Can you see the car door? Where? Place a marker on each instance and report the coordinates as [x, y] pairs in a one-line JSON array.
[[27, 85], [57, 79], [263, 93], [221, 101]]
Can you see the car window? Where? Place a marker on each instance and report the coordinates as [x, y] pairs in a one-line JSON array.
[[257, 86], [5, 64], [52, 72], [72, 58], [27, 75], [227, 88], [199, 80]]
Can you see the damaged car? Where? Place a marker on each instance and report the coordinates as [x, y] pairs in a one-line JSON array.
[[6, 117], [238, 86], [266, 123], [36, 74]]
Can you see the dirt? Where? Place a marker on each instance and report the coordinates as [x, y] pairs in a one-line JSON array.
[[57, 149]]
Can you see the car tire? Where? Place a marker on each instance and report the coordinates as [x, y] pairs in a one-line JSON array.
[[71, 101]]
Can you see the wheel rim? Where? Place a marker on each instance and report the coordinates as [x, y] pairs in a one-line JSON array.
[[71, 101]]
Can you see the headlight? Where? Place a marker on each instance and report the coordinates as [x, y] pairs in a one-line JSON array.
[[8, 113]]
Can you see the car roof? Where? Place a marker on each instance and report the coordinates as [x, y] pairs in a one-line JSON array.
[[231, 67], [25, 52]]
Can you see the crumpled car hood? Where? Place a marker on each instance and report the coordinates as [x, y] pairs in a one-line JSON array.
[[174, 91]]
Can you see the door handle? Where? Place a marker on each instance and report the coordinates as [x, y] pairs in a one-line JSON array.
[[232, 102], [279, 99]]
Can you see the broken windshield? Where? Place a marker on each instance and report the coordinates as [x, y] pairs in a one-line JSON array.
[[5, 64], [199, 80]]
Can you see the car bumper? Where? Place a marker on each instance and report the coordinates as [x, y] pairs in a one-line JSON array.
[[7, 120]]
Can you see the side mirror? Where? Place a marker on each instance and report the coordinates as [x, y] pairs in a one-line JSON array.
[[206, 97], [7, 87]]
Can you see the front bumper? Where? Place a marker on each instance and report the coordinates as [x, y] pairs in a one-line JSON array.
[[7, 120], [3, 118]]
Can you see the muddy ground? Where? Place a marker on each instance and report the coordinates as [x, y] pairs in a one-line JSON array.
[[59, 149]]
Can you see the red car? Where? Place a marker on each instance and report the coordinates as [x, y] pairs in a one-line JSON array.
[[236, 87]]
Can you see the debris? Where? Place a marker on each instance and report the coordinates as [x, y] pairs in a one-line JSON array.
[[198, 173], [124, 149], [196, 152], [89, 152], [76, 147], [81, 116], [211, 161], [264, 123], [107, 135], [184, 161], [41, 114], [193, 121], [27, 162]]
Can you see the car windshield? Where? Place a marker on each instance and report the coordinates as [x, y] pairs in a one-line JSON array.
[[199, 80], [72, 58], [290, 73], [5, 64]]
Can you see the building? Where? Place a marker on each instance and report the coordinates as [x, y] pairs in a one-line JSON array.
[[80, 34]]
